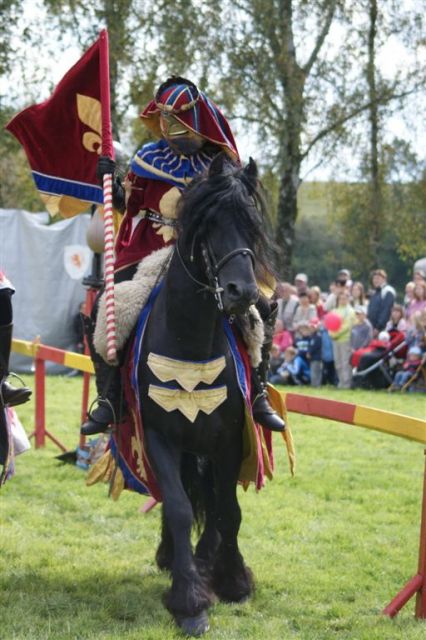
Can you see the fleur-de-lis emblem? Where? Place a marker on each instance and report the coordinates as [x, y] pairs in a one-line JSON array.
[[89, 112]]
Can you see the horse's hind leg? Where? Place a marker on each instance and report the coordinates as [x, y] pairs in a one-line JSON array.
[[188, 597], [232, 580]]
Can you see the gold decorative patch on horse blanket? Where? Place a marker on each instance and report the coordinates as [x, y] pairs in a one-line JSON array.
[[190, 403], [188, 374]]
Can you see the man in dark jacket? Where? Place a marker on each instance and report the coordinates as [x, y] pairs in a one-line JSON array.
[[381, 301]]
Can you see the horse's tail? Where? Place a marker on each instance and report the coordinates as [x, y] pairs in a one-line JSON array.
[[197, 480]]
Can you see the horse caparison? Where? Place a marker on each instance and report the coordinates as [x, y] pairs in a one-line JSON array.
[[221, 244]]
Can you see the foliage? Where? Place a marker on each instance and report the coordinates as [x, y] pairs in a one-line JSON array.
[[291, 76], [9, 15], [403, 236], [406, 175], [16, 174], [329, 548], [319, 251]]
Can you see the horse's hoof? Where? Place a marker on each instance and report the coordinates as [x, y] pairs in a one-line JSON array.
[[244, 599], [194, 626]]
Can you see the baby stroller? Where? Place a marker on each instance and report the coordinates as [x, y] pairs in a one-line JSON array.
[[377, 364]]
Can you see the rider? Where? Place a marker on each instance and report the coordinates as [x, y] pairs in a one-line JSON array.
[[9, 395], [191, 131]]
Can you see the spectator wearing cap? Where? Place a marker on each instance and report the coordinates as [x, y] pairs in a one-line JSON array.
[[381, 301], [335, 288], [345, 274], [314, 354], [301, 282], [287, 304], [362, 331], [304, 312]]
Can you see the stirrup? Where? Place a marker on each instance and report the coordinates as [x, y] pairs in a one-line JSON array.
[[101, 418], [13, 396]]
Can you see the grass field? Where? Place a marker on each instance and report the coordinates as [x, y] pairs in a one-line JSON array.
[[329, 548]]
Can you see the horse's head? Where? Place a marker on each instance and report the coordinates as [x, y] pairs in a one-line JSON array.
[[222, 227]]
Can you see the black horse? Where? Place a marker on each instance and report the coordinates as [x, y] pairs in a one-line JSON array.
[[221, 244]]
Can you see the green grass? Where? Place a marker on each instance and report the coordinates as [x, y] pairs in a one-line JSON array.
[[329, 548]]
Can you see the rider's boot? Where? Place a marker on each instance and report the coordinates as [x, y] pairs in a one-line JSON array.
[[263, 413], [108, 384], [9, 395]]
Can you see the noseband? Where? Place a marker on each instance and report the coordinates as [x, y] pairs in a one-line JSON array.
[[213, 268]]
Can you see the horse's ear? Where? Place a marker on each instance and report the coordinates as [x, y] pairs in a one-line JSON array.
[[217, 164], [251, 169]]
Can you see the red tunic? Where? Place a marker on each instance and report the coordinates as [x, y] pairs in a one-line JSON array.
[[144, 194]]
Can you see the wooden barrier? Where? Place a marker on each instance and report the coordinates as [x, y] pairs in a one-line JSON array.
[[394, 424], [40, 354]]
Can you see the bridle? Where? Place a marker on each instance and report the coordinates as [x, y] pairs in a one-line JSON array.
[[212, 267]]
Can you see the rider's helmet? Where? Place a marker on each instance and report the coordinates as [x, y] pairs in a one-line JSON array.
[[188, 119]]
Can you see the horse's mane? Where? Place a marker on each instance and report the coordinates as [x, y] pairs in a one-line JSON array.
[[232, 194]]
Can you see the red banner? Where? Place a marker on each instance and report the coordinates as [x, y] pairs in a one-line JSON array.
[[62, 137]]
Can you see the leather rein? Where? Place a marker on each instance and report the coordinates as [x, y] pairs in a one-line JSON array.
[[213, 268]]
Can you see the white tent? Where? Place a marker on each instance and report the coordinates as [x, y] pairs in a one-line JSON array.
[[46, 264]]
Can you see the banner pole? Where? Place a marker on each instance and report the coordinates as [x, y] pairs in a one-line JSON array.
[[107, 150]]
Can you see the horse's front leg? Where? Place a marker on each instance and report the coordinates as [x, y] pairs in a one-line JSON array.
[[188, 598], [232, 580], [208, 543]]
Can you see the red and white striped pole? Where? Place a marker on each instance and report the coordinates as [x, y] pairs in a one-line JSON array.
[[107, 150], [109, 269]]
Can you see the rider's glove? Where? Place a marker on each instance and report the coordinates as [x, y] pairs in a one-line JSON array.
[[105, 166]]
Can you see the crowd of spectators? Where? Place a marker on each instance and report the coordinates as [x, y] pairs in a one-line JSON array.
[[337, 336]]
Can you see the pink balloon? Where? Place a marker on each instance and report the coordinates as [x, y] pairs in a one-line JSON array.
[[332, 321]]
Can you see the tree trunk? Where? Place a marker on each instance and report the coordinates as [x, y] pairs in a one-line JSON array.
[[292, 80], [376, 196], [286, 219]]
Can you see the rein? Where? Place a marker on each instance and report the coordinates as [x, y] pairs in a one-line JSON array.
[[213, 268]]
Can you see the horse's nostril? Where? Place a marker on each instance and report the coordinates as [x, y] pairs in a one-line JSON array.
[[239, 293], [233, 290]]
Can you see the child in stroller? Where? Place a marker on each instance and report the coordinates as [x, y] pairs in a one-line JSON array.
[[414, 361], [375, 365]]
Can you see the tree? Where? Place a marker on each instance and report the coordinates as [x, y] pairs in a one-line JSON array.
[[292, 70], [9, 16], [403, 199], [16, 178], [376, 197], [390, 190]]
